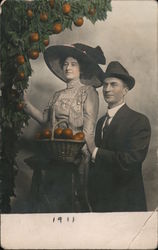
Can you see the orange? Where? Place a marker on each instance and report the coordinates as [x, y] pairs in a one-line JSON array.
[[51, 3], [46, 42], [66, 8], [79, 21], [47, 134], [76, 138], [34, 37], [79, 136], [57, 28], [20, 59], [58, 132], [67, 133], [20, 106], [34, 54], [43, 17], [21, 75], [30, 13], [92, 11], [14, 93]]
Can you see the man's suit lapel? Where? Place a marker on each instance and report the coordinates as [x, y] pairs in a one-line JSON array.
[[115, 121], [98, 133]]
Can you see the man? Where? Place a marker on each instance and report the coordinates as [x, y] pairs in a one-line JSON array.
[[122, 139]]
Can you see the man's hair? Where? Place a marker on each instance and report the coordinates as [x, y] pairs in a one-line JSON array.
[[125, 84]]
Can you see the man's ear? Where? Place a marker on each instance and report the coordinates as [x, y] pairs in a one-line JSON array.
[[126, 89]]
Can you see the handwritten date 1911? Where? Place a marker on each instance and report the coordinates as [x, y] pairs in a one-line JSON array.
[[62, 219]]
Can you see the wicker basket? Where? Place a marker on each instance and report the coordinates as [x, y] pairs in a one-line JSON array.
[[65, 150], [62, 149]]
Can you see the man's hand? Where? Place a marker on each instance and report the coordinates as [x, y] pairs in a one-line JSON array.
[[90, 144]]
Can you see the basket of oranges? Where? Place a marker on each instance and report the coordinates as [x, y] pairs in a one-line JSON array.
[[62, 143]]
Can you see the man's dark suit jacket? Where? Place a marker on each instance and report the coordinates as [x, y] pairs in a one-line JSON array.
[[115, 181]]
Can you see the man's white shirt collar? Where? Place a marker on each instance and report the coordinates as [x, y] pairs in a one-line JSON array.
[[113, 111]]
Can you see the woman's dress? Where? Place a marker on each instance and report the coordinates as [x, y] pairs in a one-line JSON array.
[[62, 186]]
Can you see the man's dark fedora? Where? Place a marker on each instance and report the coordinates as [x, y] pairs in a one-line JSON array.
[[115, 69]]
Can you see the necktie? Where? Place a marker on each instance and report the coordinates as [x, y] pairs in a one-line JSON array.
[[106, 124]]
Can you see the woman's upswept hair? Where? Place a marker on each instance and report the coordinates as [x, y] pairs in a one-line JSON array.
[[86, 69]]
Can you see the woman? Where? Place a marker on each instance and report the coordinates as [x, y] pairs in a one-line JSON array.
[[78, 103]]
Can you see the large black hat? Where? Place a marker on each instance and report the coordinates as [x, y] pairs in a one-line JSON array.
[[115, 69], [88, 58]]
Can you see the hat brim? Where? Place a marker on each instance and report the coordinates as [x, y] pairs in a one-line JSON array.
[[91, 71], [129, 80]]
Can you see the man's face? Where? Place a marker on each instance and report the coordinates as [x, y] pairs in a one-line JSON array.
[[114, 91], [71, 68]]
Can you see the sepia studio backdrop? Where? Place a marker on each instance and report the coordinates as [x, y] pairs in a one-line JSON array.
[[129, 35]]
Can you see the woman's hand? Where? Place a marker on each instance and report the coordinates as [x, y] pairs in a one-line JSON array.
[[32, 110], [25, 99], [90, 144]]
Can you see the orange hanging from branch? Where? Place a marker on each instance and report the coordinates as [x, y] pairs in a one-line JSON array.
[[34, 37], [34, 54], [51, 3], [30, 13], [43, 17], [20, 59], [57, 28], [46, 42], [92, 11], [21, 75], [79, 21], [66, 8], [20, 106]]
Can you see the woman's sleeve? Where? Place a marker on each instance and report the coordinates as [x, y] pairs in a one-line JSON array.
[[90, 112], [48, 109]]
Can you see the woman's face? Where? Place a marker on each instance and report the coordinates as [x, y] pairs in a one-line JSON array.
[[71, 68]]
